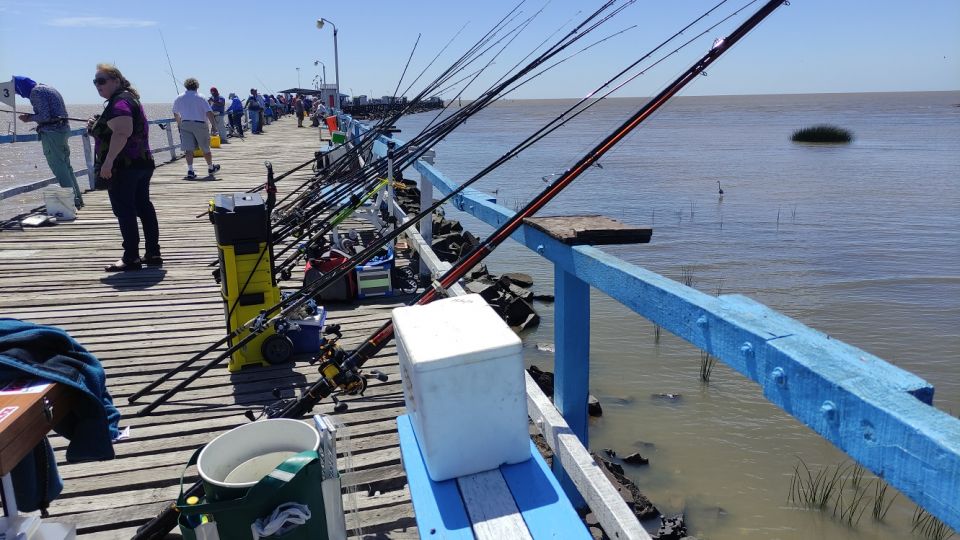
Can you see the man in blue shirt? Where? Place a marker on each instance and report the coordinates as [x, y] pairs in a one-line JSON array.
[[50, 114], [236, 115]]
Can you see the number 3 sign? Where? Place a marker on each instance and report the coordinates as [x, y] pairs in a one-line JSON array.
[[7, 94]]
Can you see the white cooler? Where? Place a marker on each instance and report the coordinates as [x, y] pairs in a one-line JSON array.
[[462, 372]]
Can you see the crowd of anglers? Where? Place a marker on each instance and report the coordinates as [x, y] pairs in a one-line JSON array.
[[262, 109]]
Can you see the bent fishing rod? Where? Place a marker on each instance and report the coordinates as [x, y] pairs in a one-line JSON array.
[[337, 273], [344, 376], [286, 306], [347, 374], [427, 137]]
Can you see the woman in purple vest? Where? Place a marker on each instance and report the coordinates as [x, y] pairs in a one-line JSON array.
[[124, 165]]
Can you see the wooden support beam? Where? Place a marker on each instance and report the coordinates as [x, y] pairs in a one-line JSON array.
[[589, 230]]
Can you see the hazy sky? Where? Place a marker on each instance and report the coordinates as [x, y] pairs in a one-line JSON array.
[[808, 46]]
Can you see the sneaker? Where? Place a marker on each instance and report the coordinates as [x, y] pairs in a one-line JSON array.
[[213, 169], [191, 175]]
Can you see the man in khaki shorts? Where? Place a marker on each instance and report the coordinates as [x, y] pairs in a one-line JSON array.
[[192, 112]]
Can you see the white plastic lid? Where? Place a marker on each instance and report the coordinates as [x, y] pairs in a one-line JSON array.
[[453, 331]]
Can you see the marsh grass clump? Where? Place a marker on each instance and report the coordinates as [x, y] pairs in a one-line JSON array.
[[707, 361], [928, 526], [822, 134]]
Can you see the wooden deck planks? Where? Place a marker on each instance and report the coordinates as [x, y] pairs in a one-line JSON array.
[[141, 324]]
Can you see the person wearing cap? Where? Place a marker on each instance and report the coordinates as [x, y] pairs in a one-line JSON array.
[[235, 113], [218, 104], [50, 114], [190, 110]]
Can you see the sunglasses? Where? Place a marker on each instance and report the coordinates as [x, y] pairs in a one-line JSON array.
[[100, 81]]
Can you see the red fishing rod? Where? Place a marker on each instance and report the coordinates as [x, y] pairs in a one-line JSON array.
[[347, 378]]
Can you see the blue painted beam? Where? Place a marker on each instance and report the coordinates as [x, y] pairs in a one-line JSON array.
[[571, 333]]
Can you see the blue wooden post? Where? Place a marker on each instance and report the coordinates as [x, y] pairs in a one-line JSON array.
[[571, 363]]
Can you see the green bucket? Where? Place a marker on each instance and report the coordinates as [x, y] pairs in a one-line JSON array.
[[234, 462], [293, 483]]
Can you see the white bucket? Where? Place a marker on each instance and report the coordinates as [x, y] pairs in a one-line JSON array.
[[241, 457], [60, 203]]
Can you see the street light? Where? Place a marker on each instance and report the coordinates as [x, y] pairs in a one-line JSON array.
[[336, 59], [298, 78], [324, 80]]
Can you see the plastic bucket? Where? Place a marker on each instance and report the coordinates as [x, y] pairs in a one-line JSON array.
[[214, 141], [60, 203], [234, 462], [331, 123]]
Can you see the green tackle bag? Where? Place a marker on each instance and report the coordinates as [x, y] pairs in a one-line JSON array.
[[286, 494]]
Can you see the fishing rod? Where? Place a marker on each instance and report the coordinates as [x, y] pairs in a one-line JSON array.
[[258, 324], [176, 83], [290, 303], [407, 65], [286, 267], [343, 375], [54, 119], [416, 140], [346, 375]]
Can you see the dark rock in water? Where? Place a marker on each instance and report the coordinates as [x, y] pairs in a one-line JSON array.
[[666, 397], [544, 379], [488, 291], [479, 271], [636, 459], [619, 400], [672, 528], [520, 279], [615, 468], [532, 321], [636, 501], [644, 444], [520, 292], [593, 406], [470, 240], [518, 312], [543, 297], [610, 452]]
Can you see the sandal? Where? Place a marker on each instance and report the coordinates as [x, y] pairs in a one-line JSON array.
[[152, 260], [121, 266]]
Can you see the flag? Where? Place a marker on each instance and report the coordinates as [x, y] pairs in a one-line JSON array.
[[8, 95]]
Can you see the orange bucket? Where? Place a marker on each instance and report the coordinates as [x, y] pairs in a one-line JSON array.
[[331, 123]]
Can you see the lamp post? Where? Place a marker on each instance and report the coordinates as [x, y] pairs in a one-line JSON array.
[[298, 78], [336, 59], [324, 66]]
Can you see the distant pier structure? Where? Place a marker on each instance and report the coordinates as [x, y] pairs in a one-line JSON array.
[[363, 107]]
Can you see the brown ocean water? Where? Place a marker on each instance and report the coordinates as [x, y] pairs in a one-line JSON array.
[[861, 241]]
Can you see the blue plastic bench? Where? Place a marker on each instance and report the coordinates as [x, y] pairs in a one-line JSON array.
[[513, 502]]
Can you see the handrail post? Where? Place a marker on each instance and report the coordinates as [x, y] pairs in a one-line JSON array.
[[426, 200], [571, 363], [173, 151], [88, 159]]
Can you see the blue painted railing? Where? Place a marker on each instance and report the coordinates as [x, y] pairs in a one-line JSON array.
[[879, 414]]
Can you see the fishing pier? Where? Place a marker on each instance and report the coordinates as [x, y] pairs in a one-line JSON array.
[[141, 324]]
